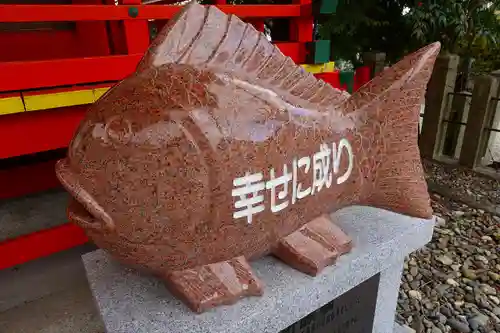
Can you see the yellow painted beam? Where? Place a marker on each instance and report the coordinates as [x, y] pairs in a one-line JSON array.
[[320, 68], [99, 92], [35, 102], [11, 104]]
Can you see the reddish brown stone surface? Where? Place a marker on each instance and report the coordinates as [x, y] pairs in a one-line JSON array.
[[159, 166]]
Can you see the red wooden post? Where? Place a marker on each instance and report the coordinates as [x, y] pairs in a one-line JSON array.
[[301, 29], [92, 37], [136, 32], [332, 78], [361, 77], [117, 41], [259, 25]]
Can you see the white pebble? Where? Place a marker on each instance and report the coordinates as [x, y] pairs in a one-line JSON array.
[[494, 299], [415, 294], [440, 222], [482, 259]]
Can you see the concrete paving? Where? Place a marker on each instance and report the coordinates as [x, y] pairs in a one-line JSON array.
[[42, 277], [24, 215], [48, 295], [68, 311]]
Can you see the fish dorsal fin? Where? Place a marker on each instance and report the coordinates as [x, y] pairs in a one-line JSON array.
[[205, 37], [175, 38]]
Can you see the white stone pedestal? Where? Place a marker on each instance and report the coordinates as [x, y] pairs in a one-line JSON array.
[[131, 302]]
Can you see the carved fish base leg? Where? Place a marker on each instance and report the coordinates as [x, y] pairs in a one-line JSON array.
[[208, 286], [314, 246]]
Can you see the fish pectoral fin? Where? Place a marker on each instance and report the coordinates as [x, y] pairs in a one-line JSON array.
[[223, 283], [314, 246]]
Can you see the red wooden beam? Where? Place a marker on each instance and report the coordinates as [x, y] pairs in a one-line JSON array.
[[32, 132], [26, 45], [332, 78], [54, 13], [27, 179], [40, 244], [60, 72], [296, 51]]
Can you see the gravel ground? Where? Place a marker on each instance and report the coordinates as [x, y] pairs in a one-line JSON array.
[[464, 182], [453, 284]]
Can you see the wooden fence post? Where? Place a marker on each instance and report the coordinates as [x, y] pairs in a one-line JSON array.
[[440, 86], [475, 138]]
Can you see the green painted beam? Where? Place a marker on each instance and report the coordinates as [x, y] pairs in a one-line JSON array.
[[324, 7], [347, 78], [318, 52]]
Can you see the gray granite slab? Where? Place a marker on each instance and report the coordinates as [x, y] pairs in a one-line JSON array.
[[132, 302], [403, 329], [387, 298]]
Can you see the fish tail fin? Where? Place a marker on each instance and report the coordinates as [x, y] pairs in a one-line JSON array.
[[389, 157]]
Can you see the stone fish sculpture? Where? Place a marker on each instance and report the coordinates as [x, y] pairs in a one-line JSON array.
[[219, 149]]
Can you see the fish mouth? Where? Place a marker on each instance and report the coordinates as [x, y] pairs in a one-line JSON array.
[[83, 208], [81, 216]]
